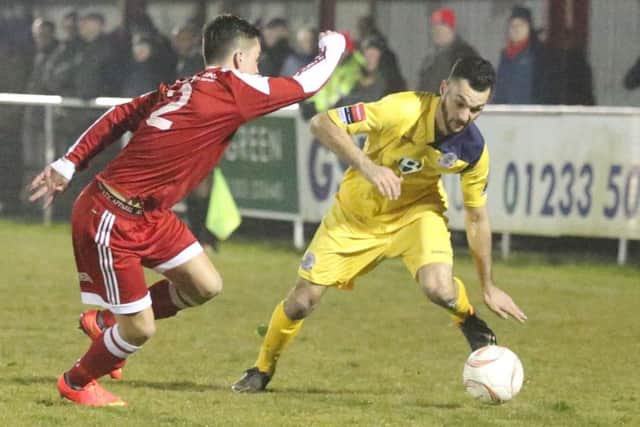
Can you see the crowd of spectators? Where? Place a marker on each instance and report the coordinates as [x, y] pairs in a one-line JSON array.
[[87, 61]]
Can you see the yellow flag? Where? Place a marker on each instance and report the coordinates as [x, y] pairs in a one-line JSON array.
[[223, 216]]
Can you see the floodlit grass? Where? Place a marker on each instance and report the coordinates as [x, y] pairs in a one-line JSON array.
[[378, 355]]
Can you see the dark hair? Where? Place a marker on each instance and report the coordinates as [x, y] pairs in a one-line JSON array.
[[522, 13], [220, 35], [477, 71]]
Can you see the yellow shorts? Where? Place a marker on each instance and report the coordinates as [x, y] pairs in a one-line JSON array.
[[340, 252]]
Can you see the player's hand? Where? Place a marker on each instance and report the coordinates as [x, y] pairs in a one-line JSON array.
[[385, 180], [47, 184], [501, 303], [326, 33], [324, 36]]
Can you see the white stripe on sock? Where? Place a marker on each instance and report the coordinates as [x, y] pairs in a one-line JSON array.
[[116, 345]]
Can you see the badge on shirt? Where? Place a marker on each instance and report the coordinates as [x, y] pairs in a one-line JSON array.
[[308, 261], [408, 165], [352, 113], [447, 160]]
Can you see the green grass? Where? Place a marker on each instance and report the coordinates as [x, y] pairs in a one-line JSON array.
[[378, 355]]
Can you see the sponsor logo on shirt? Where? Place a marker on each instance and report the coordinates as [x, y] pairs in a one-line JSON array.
[[208, 77], [352, 114], [408, 165]]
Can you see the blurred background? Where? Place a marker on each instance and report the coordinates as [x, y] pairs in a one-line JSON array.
[[547, 52]]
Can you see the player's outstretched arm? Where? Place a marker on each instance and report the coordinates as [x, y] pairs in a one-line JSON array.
[[106, 130], [314, 75], [339, 141], [257, 95], [479, 237], [55, 178]]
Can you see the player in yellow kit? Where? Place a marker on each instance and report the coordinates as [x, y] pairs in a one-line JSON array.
[[391, 203]]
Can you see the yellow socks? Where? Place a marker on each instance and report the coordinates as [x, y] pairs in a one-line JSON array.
[[281, 331], [462, 308]]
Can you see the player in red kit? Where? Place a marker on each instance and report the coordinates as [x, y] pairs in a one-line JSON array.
[[122, 221]]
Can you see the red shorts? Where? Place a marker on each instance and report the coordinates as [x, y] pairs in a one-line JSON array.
[[111, 246]]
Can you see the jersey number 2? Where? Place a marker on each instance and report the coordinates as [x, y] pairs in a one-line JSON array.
[[161, 123]]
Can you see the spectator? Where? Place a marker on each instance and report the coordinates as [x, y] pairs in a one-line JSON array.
[[389, 67], [142, 74], [305, 50], [366, 29], [520, 72], [33, 136], [64, 64], [448, 48], [79, 69], [69, 26], [569, 79], [95, 56], [373, 83], [45, 43], [632, 78], [276, 47], [136, 20], [186, 43]]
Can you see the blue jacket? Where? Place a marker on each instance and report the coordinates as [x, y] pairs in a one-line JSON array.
[[518, 77]]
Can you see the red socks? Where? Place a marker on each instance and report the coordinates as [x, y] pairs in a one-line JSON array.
[[105, 354], [167, 300]]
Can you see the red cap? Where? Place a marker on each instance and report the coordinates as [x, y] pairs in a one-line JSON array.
[[350, 46], [445, 16]]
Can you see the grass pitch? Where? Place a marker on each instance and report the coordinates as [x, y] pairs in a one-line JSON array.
[[380, 355]]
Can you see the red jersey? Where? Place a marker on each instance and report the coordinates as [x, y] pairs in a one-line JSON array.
[[181, 132]]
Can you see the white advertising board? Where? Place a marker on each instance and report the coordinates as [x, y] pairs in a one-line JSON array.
[[554, 171]]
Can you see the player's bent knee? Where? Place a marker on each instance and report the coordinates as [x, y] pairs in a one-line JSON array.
[[437, 287], [301, 302], [197, 279], [297, 309], [440, 293], [211, 289], [147, 331], [203, 290]]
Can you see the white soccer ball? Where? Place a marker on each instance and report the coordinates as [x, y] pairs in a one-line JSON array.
[[493, 374]]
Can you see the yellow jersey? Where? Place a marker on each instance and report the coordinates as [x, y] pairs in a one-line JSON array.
[[400, 131]]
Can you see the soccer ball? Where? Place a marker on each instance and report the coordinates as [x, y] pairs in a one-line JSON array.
[[493, 374]]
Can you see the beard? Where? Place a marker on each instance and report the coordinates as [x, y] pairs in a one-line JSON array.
[[449, 123]]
